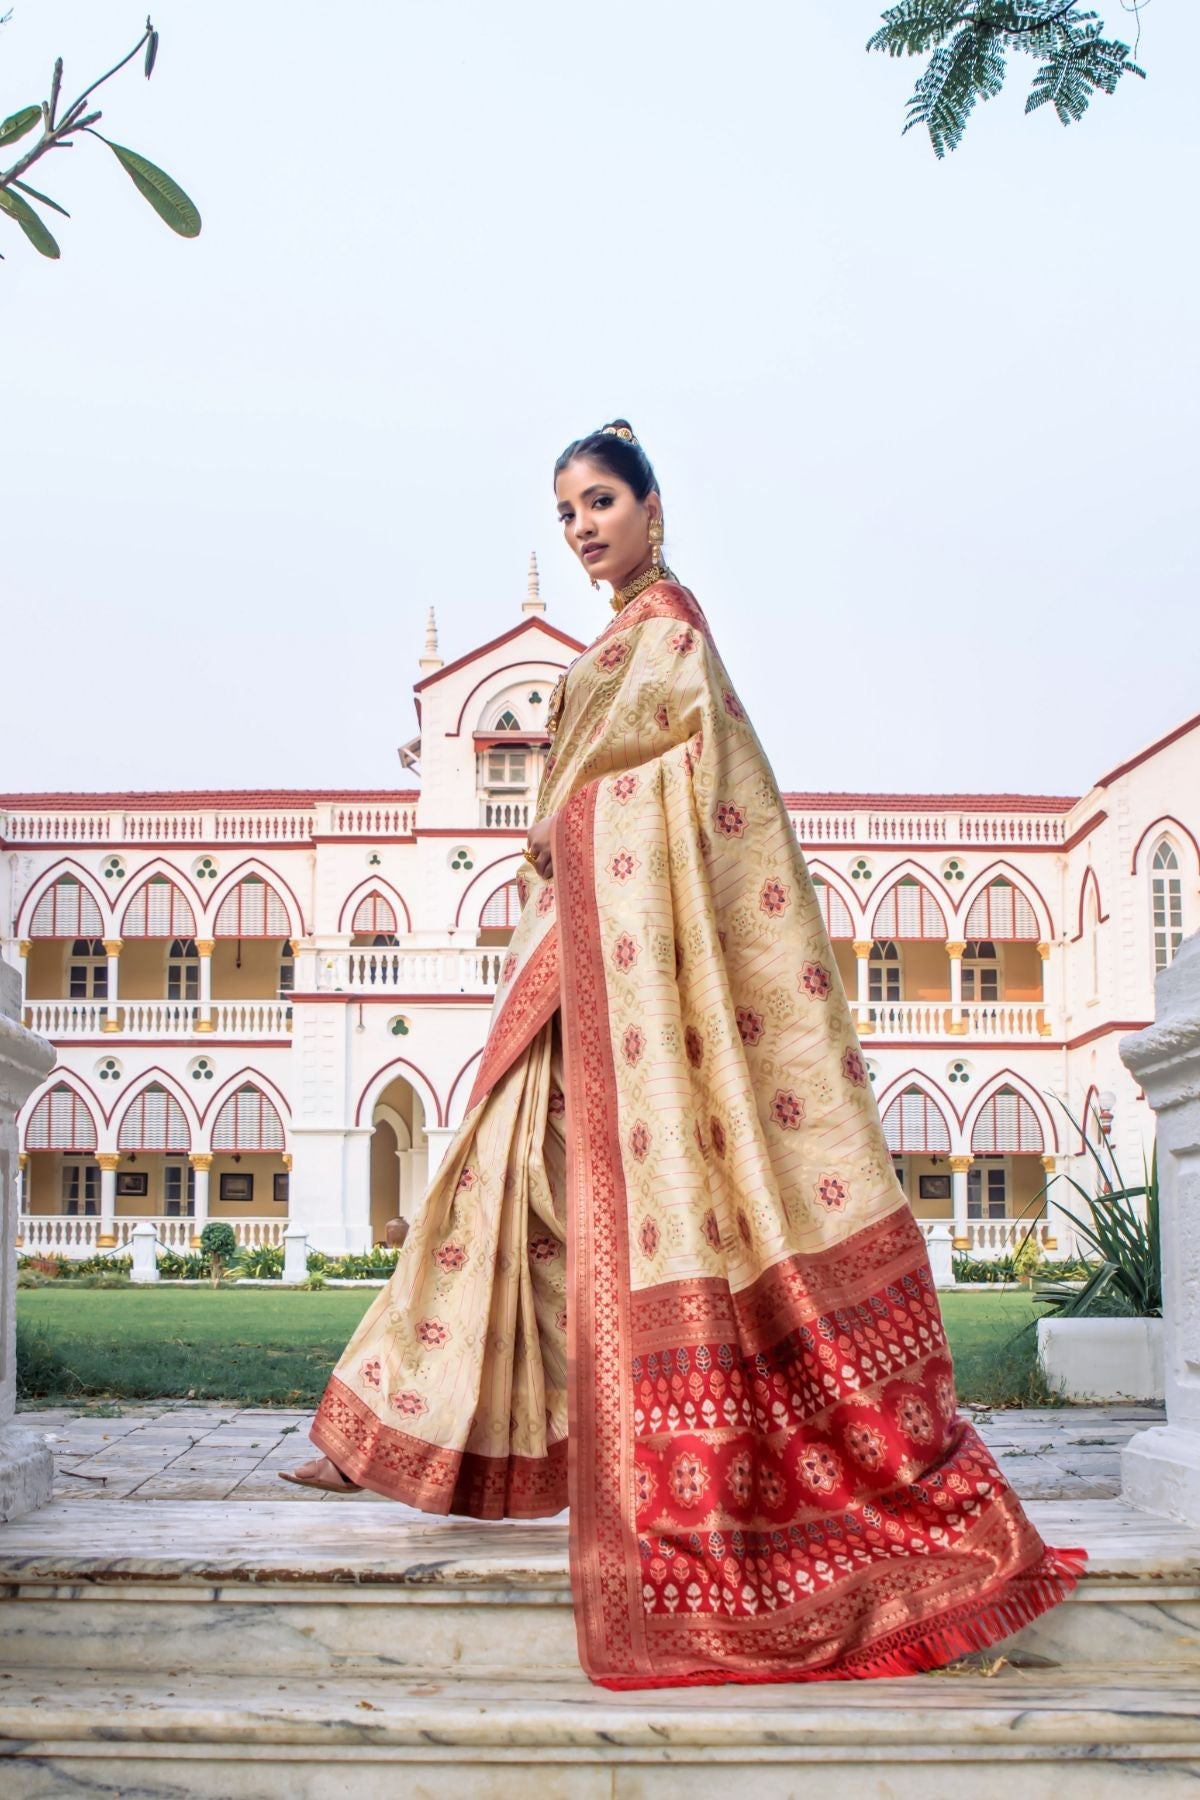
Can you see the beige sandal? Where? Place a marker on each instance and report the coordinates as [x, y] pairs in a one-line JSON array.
[[341, 1486]]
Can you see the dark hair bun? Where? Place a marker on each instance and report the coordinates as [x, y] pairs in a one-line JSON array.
[[616, 449]]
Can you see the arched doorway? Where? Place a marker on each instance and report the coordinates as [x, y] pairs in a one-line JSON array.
[[399, 1156]]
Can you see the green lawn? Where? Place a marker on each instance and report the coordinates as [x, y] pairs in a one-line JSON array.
[[263, 1347]]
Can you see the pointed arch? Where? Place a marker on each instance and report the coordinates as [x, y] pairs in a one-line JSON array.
[[248, 1123], [400, 1128], [465, 1070], [502, 908], [157, 907], [1168, 824], [907, 908], [1034, 1120], [914, 1123], [250, 905], [230, 1085], [511, 857], [537, 666], [1089, 884], [839, 907], [374, 884], [65, 904], [154, 1120], [62, 1116], [1002, 904], [1090, 1099], [417, 1080]]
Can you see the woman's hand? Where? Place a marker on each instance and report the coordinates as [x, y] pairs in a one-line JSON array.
[[539, 844]]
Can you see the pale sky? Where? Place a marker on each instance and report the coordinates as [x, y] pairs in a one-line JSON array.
[[925, 432]]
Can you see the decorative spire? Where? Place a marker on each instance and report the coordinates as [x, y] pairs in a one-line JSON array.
[[431, 660], [533, 602]]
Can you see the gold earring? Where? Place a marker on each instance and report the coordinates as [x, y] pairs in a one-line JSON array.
[[656, 538]]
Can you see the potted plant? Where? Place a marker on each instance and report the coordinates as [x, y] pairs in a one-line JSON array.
[[1101, 1336]]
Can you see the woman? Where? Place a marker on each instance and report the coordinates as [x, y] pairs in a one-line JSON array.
[[666, 1272]]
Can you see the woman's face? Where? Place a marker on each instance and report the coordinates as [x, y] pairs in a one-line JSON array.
[[604, 522]]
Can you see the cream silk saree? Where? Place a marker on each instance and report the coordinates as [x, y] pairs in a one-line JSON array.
[[666, 1273]]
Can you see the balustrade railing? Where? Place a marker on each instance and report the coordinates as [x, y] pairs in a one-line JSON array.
[[77, 1238], [505, 815], [254, 1019], [813, 826], [900, 1019], [413, 971]]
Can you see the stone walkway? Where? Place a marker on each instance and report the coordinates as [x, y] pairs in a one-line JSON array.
[[189, 1452]]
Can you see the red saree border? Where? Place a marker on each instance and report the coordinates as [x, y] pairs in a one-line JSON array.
[[432, 1479], [532, 1003], [605, 1574]]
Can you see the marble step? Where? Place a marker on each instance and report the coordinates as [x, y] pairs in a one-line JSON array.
[[347, 1589], [938, 1737]]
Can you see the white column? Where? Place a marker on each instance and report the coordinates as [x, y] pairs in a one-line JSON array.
[[440, 1138], [112, 1018], [405, 1199], [1160, 1468], [958, 1187], [1045, 1027], [109, 1163], [143, 1242], [1060, 1235], [863, 1023], [204, 950], [26, 1465], [202, 1163], [25, 948], [958, 1023], [356, 1189]]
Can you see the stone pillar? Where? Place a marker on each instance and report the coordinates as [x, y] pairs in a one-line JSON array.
[[1059, 1235], [1160, 1468], [958, 1187], [440, 1138], [22, 1166], [295, 1256], [26, 1464], [1045, 1028], [356, 1189], [958, 1020], [940, 1240], [864, 1024], [25, 950], [202, 1163], [109, 1162], [143, 1242], [112, 1016], [204, 950]]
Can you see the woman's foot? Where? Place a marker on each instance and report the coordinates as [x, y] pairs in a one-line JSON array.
[[321, 1473]]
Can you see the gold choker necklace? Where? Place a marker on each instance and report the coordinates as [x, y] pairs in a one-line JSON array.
[[622, 596]]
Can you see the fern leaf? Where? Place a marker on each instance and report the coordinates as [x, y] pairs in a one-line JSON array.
[[968, 69], [916, 26]]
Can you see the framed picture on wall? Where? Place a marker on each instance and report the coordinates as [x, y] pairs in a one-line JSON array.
[[934, 1187], [132, 1183], [237, 1187], [281, 1188]]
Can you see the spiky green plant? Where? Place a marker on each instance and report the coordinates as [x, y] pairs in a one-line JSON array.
[[968, 43], [1125, 1269]]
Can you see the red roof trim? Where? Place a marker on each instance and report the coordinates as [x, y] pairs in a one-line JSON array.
[[203, 799], [1150, 750], [1050, 803], [505, 637]]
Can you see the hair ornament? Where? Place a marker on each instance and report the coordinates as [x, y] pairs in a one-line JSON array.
[[621, 431]]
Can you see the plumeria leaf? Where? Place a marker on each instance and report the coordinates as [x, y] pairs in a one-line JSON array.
[[18, 123], [167, 198], [29, 221], [44, 198]]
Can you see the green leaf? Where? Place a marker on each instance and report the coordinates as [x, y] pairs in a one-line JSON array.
[[151, 51], [29, 221], [44, 198], [166, 196], [18, 123]]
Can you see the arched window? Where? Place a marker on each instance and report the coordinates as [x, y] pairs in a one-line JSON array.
[[508, 721], [1002, 912], [500, 915], [158, 910], [1093, 931], [183, 970], [834, 910], [252, 910], [980, 970], [909, 910], [66, 910], [1166, 899], [1007, 1124], [913, 1125], [506, 771], [248, 1123], [374, 924], [61, 1121], [87, 971], [154, 1121], [883, 973]]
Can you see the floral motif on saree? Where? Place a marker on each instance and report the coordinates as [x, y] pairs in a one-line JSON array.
[[666, 1270]]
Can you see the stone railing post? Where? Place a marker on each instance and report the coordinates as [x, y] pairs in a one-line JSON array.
[[26, 1463], [1160, 1468], [143, 1242], [295, 1256]]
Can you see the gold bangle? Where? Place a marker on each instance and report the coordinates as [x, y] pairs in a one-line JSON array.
[[527, 853]]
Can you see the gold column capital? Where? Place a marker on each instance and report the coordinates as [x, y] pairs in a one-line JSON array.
[[205, 946], [287, 1160], [107, 1240], [955, 948], [1048, 1163], [201, 1160], [960, 1164], [862, 947], [24, 947], [1043, 951], [957, 1028], [112, 1022], [109, 1161], [113, 946], [22, 1159], [297, 945]]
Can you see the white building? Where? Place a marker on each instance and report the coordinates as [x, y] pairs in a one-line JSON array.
[[269, 1005]]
